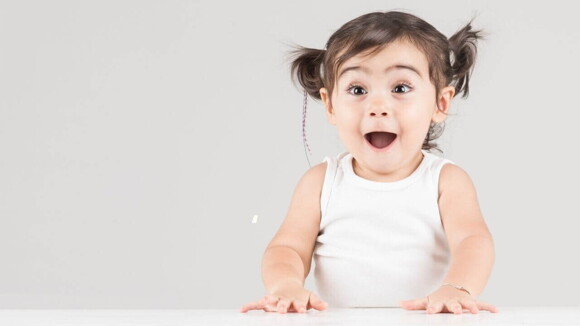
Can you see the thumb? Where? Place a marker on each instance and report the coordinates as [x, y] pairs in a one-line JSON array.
[[316, 303]]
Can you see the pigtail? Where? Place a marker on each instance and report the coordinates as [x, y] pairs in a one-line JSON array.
[[306, 68], [463, 47]]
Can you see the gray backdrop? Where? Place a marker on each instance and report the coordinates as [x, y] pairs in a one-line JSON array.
[[139, 138]]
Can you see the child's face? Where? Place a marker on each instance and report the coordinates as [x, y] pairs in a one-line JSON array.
[[397, 100]]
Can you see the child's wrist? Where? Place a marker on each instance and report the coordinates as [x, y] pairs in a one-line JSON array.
[[459, 287], [287, 282]]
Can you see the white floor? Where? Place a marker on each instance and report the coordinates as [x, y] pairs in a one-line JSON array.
[[358, 316]]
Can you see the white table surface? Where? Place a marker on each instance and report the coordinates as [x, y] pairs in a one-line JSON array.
[[331, 316]]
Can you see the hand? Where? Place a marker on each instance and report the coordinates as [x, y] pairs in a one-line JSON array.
[[287, 298], [447, 299]]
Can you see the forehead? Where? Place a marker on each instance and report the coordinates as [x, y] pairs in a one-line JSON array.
[[399, 55]]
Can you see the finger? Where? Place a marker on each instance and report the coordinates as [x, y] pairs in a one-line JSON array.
[[487, 306], [251, 306], [270, 302], [299, 306], [470, 305], [434, 307], [283, 305], [316, 303], [418, 304], [271, 299], [454, 307]]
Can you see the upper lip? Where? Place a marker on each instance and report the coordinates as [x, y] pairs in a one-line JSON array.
[[368, 132]]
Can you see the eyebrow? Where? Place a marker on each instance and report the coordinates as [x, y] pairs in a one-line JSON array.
[[367, 71]]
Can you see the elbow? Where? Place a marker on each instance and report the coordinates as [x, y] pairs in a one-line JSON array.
[[477, 244]]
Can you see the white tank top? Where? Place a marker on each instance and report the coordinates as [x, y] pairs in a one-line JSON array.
[[379, 242]]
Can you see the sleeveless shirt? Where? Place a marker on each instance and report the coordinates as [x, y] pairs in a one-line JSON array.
[[379, 242]]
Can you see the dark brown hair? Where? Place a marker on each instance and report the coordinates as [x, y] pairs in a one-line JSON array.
[[450, 60]]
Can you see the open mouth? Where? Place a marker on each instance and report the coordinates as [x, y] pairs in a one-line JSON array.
[[380, 139]]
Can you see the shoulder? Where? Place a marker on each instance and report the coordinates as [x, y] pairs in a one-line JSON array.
[[314, 178], [311, 182], [317, 170], [453, 178]]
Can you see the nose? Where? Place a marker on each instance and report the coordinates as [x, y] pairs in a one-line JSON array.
[[379, 112], [378, 107]]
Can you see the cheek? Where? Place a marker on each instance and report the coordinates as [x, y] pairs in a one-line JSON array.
[[347, 117], [415, 123], [348, 125]]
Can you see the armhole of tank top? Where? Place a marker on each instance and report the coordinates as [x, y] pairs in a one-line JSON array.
[[327, 184]]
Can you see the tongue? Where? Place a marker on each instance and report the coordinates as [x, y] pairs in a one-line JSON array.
[[381, 139]]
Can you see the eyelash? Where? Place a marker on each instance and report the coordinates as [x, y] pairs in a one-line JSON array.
[[408, 85]]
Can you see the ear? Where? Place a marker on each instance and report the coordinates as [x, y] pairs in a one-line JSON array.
[[325, 97], [444, 102]]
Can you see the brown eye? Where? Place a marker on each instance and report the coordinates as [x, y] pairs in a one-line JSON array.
[[401, 88], [357, 90]]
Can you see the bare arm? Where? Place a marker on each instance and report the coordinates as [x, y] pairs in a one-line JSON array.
[[471, 243], [281, 264], [471, 264], [286, 260]]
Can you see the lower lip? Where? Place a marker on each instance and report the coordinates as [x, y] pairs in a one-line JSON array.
[[384, 149]]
